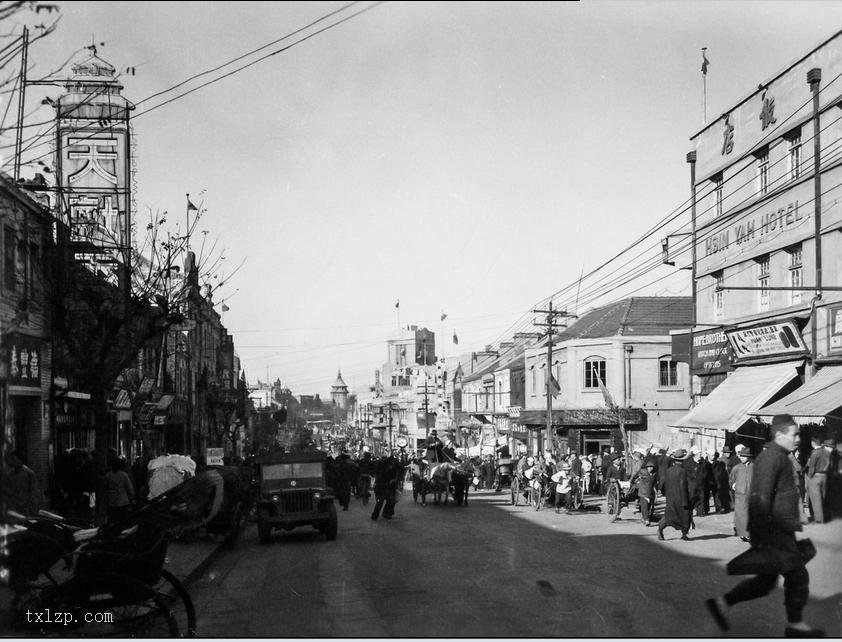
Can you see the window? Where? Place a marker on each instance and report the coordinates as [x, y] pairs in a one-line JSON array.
[[762, 172], [667, 372], [9, 258], [594, 372], [532, 380], [795, 274], [718, 192], [763, 282], [718, 293], [794, 154]]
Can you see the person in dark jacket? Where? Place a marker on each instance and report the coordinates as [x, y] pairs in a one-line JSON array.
[[774, 516], [386, 487], [342, 476], [694, 481], [645, 480], [677, 511], [663, 463], [722, 485]]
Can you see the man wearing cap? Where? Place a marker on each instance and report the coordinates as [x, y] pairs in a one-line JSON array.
[[434, 448], [774, 518], [645, 480], [678, 508], [740, 479], [587, 472], [818, 469]]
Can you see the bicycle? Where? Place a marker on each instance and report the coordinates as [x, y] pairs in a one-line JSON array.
[[539, 492]]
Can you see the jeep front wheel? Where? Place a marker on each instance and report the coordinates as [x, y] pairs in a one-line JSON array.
[[332, 524]]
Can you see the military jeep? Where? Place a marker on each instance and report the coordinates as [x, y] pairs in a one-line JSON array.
[[293, 491]]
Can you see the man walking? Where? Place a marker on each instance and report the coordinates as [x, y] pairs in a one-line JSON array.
[[740, 479], [818, 468], [677, 511], [386, 487], [774, 518]]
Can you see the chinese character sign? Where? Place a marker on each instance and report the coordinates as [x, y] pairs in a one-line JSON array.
[[835, 328], [94, 183], [25, 362]]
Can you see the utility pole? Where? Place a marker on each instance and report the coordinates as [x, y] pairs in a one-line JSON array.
[[24, 56], [814, 77], [550, 326]]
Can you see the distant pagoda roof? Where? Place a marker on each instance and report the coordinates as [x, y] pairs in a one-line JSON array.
[[339, 384]]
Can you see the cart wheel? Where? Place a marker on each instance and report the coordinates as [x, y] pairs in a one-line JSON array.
[[515, 488], [612, 500]]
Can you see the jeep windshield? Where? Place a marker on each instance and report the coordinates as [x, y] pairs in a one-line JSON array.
[[292, 471]]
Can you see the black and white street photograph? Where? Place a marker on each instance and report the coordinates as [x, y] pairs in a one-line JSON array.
[[379, 319]]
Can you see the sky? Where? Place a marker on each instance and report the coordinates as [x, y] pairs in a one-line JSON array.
[[468, 159]]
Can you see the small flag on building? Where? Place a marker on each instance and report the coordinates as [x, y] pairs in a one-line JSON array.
[[443, 315], [190, 205], [225, 308], [398, 303], [705, 62], [455, 339]]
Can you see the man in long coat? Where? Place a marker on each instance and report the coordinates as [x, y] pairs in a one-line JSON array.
[[740, 479], [677, 510], [722, 490]]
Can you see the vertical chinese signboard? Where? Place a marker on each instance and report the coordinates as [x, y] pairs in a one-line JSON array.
[[93, 162], [24, 362]]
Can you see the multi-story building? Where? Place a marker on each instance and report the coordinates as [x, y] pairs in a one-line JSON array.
[[25, 362], [612, 365], [767, 261]]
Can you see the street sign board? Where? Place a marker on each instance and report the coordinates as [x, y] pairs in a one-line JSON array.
[[214, 456]]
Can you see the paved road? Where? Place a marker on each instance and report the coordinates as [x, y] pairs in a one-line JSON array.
[[495, 570]]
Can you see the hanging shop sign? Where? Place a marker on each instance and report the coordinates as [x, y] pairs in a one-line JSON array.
[[25, 361], [213, 456], [711, 352], [779, 339]]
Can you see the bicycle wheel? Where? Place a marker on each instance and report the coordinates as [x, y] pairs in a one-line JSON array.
[[106, 605], [578, 498], [535, 497]]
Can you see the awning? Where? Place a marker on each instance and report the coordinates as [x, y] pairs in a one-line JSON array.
[[820, 396], [731, 403]]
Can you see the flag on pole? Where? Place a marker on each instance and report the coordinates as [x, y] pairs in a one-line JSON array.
[[398, 303], [606, 395], [555, 388], [443, 315], [455, 339], [190, 205], [705, 62], [225, 308]]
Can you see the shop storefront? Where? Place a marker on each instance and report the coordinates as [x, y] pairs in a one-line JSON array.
[[584, 430], [769, 358]]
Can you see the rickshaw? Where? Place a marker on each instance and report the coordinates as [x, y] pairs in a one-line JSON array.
[[618, 494]]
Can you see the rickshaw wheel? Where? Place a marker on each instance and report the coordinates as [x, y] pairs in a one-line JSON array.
[[612, 500]]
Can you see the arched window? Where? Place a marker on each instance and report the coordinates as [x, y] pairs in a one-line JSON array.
[[594, 372], [667, 372]]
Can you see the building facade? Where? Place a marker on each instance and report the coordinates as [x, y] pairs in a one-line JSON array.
[[768, 251], [613, 365]]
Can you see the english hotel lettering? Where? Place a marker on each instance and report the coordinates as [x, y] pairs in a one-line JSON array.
[[771, 222]]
